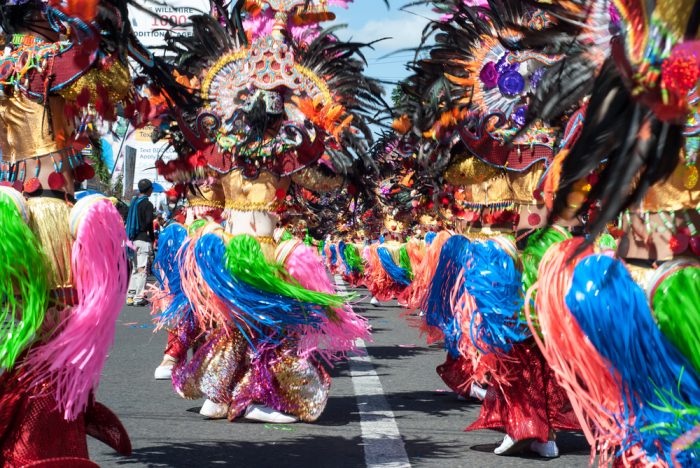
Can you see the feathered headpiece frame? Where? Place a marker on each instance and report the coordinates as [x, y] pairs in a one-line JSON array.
[[330, 101]]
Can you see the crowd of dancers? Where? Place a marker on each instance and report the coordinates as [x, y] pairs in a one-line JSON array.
[[532, 203]]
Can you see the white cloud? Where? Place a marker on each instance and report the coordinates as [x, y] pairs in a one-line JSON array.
[[403, 32]]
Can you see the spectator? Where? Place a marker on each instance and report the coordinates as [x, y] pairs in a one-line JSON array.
[[139, 227]]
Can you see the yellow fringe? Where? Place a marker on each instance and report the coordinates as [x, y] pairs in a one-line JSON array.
[[49, 219]]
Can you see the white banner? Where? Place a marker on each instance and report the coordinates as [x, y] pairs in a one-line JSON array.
[[147, 153], [174, 16]]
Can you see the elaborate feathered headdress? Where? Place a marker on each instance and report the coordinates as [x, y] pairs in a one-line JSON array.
[[279, 92], [474, 85], [638, 63]]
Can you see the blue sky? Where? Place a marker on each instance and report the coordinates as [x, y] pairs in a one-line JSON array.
[[370, 19]]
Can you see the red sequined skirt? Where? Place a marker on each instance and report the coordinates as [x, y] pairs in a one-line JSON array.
[[456, 372], [34, 433], [530, 403]]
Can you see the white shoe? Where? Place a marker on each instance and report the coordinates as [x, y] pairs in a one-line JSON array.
[[477, 391], [214, 410], [511, 446], [547, 449], [374, 302], [268, 415], [165, 370]]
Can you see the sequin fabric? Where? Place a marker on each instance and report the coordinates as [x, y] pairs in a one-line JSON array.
[[531, 403], [456, 372], [285, 382], [214, 368], [29, 425]]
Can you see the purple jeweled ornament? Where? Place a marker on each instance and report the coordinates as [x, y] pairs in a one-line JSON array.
[[489, 75], [511, 84], [503, 66], [519, 116], [536, 77]]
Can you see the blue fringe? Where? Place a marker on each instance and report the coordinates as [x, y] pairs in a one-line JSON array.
[[612, 310], [334, 255], [396, 273], [437, 307], [495, 283], [167, 265], [341, 251], [270, 315], [430, 237]]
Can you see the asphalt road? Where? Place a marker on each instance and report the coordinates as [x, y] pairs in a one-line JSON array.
[[166, 430]]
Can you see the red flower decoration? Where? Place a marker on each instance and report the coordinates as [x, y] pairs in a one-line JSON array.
[[680, 72]]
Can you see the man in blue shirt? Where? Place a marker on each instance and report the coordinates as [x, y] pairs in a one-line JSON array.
[[139, 228]]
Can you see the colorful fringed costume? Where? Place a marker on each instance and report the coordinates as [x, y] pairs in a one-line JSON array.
[[633, 158], [463, 110], [264, 312], [524, 399], [66, 74], [384, 277]]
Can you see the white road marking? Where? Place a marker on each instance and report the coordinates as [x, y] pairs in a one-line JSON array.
[[384, 447]]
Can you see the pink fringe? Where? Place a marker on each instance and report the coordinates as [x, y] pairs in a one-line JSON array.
[[327, 251], [580, 369], [424, 272], [335, 337], [71, 362], [209, 311], [683, 442], [377, 279], [365, 253], [416, 252]]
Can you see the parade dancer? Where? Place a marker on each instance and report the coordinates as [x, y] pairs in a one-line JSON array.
[[204, 204], [634, 160], [467, 120], [66, 75], [263, 129]]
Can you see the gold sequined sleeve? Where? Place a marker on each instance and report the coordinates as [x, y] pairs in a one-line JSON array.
[[116, 81], [313, 179]]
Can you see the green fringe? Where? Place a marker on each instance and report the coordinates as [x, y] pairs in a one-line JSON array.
[[405, 261], [196, 225], [24, 284], [606, 241], [537, 244], [681, 416], [321, 246], [245, 259], [352, 256], [308, 240], [286, 236], [677, 312]]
